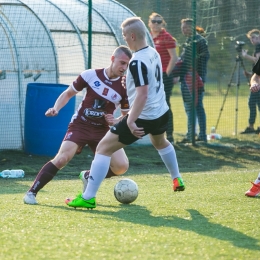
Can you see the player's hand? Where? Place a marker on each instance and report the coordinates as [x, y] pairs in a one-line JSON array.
[[255, 87], [135, 130], [110, 119], [51, 112]]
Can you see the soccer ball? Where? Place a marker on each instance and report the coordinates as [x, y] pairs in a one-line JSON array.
[[126, 191]]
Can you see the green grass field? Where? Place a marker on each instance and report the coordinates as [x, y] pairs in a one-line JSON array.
[[211, 219]]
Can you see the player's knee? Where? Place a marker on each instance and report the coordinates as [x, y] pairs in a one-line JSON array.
[[160, 143], [121, 168], [61, 160]]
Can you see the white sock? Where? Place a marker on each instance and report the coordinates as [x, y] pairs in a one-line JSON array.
[[98, 172], [169, 158], [257, 181]]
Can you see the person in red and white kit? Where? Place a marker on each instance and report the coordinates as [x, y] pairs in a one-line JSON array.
[[165, 45], [92, 120], [255, 87]]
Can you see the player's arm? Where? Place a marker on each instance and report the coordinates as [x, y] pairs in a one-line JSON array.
[[61, 101], [139, 102], [137, 108], [123, 114], [111, 120], [139, 73]]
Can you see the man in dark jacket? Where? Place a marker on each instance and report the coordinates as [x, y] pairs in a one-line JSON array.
[[202, 57]]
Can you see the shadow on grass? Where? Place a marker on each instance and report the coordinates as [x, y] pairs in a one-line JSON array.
[[197, 223]]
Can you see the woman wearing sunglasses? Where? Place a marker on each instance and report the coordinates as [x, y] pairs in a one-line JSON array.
[[166, 45]]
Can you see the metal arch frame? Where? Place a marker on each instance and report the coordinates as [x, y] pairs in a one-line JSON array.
[[76, 29], [108, 23], [124, 7], [50, 37], [6, 28]]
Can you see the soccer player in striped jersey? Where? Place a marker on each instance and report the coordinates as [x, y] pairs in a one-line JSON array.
[[148, 114]]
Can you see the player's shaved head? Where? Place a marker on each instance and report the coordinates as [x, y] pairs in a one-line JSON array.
[[135, 25], [122, 49]]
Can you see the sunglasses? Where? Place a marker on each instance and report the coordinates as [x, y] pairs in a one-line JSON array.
[[156, 21]]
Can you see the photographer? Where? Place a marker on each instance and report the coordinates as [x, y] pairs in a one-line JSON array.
[[254, 97]]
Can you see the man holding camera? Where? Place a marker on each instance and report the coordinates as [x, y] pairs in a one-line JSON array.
[[254, 97]]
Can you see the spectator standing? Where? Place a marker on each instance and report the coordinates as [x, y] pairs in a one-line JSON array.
[[202, 57], [165, 45], [254, 97]]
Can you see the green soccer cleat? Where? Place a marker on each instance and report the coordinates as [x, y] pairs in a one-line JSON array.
[[67, 200], [80, 202], [178, 184]]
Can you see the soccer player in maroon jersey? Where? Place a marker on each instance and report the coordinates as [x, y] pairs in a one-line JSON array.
[[91, 121]]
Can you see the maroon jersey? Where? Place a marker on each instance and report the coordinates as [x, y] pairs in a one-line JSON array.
[[103, 96]]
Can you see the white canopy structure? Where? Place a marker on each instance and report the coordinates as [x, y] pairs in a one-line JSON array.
[[46, 41]]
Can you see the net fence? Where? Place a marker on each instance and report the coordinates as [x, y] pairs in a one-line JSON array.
[[47, 41]]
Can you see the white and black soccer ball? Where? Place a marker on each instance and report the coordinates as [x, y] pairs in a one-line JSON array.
[[126, 191]]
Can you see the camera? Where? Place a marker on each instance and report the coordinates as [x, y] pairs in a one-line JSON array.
[[239, 46]]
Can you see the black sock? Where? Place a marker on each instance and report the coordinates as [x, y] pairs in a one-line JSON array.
[[45, 175]]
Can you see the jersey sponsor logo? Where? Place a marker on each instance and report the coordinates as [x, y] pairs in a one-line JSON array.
[[114, 97], [133, 64], [97, 84], [105, 92], [108, 82], [90, 112]]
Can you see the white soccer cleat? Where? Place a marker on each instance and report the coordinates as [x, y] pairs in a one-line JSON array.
[[30, 198]]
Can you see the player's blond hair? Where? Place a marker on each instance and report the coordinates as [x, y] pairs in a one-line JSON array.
[[135, 25]]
